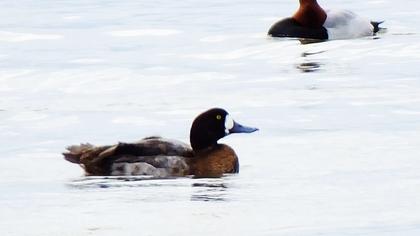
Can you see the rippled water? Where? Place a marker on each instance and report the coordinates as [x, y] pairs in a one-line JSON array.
[[337, 152]]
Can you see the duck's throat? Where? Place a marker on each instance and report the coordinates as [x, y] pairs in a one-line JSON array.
[[310, 15]]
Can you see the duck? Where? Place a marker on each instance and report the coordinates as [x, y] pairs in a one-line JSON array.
[[311, 21], [165, 158]]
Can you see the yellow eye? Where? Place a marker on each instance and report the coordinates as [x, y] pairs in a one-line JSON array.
[[219, 117]]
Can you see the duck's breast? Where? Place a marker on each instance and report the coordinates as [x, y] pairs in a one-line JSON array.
[[344, 24], [215, 162]]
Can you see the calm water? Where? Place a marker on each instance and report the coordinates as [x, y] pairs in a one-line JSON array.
[[338, 148]]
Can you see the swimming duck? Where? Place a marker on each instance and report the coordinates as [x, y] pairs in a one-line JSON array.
[[159, 157], [313, 22]]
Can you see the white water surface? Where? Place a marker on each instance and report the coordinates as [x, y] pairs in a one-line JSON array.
[[338, 151]]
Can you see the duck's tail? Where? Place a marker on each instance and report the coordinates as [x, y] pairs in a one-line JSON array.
[[376, 26], [75, 152]]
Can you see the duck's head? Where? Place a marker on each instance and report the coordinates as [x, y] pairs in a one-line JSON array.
[[310, 14], [212, 125]]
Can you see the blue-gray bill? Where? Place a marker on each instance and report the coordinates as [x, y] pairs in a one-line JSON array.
[[238, 128]]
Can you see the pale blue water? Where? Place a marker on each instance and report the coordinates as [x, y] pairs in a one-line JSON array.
[[337, 152]]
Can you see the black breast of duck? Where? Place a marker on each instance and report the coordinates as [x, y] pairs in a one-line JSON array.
[[307, 22]]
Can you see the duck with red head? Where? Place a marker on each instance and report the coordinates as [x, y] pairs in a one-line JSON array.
[[162, 158], [313, 22]]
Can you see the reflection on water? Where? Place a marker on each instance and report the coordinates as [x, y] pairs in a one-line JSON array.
[[309, 67], [305, 54], [404, 34], [309, 41], [200, 189], [113, 182], [209, 192]]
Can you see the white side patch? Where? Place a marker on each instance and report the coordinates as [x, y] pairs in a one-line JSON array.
[[344, 24], [228, 123], [126, 169], [164, 166]]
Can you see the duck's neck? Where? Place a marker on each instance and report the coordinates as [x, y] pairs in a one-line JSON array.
[[201, 142], [310, 14], [199, 153]]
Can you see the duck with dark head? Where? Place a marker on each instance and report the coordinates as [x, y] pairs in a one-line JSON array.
[[162, 158], [313, 22]]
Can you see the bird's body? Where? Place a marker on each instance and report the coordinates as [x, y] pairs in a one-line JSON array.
[[159, 157], [313, 22]]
